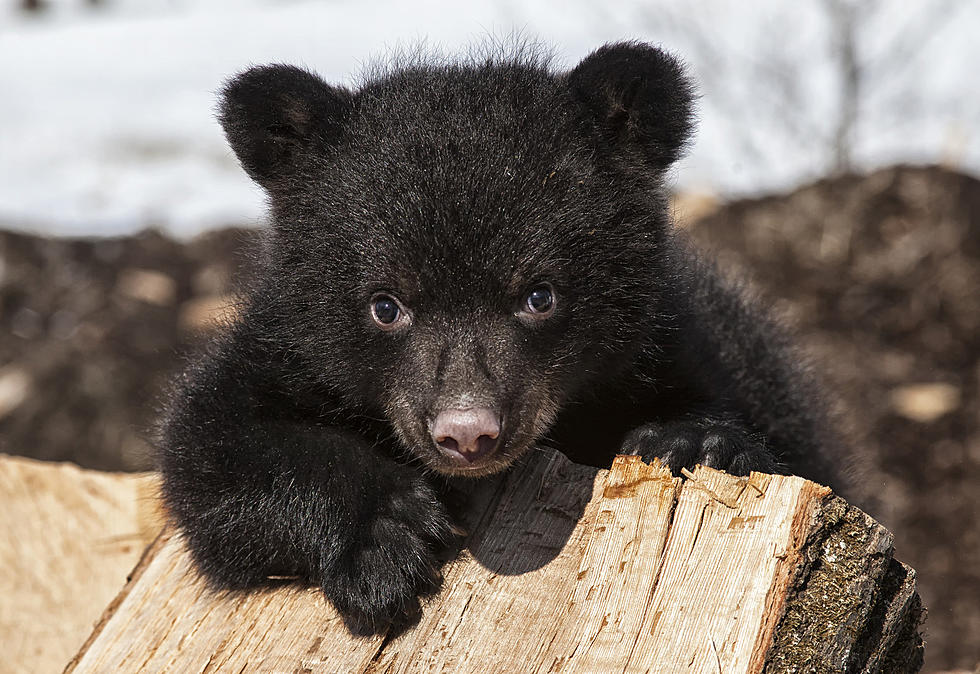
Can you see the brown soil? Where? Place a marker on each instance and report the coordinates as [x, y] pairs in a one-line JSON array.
[[90, 331], [880, 276]]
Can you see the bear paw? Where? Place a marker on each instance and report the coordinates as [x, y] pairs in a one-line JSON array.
[[393, 562], [684, 444]]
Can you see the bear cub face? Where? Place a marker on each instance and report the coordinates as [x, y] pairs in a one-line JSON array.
[[461, 249]]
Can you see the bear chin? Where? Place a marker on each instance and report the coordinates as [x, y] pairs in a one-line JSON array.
[[451, 463]]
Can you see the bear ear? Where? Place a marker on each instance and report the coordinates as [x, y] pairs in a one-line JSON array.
[[638, 96], [271, 114]]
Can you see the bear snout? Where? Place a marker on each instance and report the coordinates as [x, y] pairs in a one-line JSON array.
[[466, 435]]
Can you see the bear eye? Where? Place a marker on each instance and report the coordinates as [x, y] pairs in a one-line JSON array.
[[540, 301], [387, 312]]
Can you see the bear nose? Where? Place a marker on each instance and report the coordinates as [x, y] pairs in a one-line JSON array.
[[469, 433]]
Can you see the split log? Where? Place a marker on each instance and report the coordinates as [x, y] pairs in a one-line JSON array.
[[68, 538], [572, 569]]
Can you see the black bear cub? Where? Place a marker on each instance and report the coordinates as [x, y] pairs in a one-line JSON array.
[[467, 258]]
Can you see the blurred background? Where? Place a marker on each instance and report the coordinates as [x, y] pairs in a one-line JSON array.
[[835, 168]]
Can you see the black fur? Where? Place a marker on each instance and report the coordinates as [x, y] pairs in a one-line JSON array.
[[300, 445]]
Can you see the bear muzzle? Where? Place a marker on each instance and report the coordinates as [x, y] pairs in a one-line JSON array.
[[466, 436]]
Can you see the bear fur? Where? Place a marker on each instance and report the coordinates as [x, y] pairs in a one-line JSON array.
[[301, 445]]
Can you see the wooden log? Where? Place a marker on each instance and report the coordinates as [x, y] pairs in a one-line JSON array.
[[68, 538], [571, 569]]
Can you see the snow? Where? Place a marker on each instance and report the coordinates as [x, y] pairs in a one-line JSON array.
[[107, 116]]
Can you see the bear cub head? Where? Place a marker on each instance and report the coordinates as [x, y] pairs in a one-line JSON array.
[[462, 248]]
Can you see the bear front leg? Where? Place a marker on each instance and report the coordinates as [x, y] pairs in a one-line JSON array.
[[717, 443], [261, 502], [392, 559]]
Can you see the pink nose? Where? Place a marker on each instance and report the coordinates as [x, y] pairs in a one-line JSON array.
[[467, 434]]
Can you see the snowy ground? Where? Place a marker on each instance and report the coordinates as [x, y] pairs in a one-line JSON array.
[[106, 117]]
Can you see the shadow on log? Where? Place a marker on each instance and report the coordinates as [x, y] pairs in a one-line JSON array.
[[644, 572]]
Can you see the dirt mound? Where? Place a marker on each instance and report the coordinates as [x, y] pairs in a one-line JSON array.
[[91, 329], [880, 276]]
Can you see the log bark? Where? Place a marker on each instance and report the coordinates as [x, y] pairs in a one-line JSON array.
[[571, 569]]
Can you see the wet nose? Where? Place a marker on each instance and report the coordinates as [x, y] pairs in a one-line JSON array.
[[469, 433]]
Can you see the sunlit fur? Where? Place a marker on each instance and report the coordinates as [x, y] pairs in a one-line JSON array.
[[300, 445]]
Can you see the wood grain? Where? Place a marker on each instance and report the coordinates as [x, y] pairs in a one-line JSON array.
[[570, 569], [68, 539]]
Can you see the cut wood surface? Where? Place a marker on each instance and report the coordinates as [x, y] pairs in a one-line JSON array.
[[571, 569], [68, 539]]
